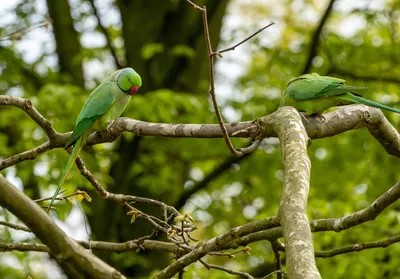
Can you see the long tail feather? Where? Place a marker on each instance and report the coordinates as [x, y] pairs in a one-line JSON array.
[[74, 154], [357, 99]]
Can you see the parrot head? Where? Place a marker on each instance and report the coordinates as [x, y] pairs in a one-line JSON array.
[[129, 81]]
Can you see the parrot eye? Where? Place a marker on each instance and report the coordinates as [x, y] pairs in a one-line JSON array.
[[129, 79]]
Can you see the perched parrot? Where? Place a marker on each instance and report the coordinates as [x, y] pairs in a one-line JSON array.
[[313, 94], [106, 102]]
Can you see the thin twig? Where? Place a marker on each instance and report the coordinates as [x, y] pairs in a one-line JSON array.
[[17, 35], [49, 198], [278, 264], [218, 52], [211, 54], [227, 270], [15, 226], [358, 247], [274, 272]]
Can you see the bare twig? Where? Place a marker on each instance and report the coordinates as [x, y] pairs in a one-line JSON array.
[[17, 35], [227, 270], [211, 55], [276, 245], [281, 272], [15, 226], [218, 52], [358, 247]]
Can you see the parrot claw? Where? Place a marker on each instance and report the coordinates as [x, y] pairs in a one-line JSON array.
[[109, 124], [318, 115]]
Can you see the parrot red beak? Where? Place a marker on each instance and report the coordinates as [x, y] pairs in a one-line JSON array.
[[133, 90]]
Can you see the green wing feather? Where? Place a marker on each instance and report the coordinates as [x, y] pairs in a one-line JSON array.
[[311, 86], [99, 101], [313, 93]]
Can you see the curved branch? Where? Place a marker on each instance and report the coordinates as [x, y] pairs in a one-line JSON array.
[[64, 249], [26, 105]]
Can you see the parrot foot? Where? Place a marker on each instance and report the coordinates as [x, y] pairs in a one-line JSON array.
[[318, 115], [307, 117], [109, 124]]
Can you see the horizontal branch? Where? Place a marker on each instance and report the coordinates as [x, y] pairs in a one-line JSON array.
[[133, 245], [330, 224], [358, 247], [364, 76], [15, 226], [335, 122]]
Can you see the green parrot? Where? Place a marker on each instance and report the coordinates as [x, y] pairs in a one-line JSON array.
[[106, 102], [313, 94]]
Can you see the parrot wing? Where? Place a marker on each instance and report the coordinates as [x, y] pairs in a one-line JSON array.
[[100, 100], [310, 87]]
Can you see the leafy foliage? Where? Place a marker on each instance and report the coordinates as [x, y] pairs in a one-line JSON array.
[[349, 170]]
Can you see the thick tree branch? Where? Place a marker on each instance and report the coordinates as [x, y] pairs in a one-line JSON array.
[[312, 52], [296, 184], [64, 249], [339, 121]]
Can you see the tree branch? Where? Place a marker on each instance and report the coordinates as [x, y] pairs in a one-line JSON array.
[[64, 249], [330, 224], [358, 247], [105, 33], [316, 38], [227, 270], [365, 76], [211, 91], [336, 122], [215, 244], [26, 105], [15, 226], [296, 184]]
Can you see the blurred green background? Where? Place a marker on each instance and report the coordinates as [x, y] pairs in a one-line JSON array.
[[57, 67]]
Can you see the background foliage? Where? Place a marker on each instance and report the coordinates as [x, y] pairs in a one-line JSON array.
[[163, 40]]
